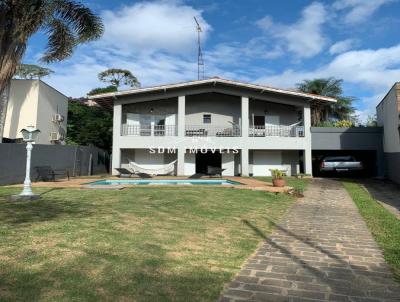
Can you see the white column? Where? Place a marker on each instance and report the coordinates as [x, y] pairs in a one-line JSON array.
[[116, 151], [245, 116], [181, 116], [181, 162], [244, 157], [307, 138]]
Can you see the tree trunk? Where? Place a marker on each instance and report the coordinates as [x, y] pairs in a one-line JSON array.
[[4, 96], [9, 59], [18, 21]]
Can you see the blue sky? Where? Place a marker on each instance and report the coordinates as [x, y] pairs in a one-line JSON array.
[[278, 43]]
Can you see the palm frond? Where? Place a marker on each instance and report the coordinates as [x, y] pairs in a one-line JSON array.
[[61, 41], [81, 19]]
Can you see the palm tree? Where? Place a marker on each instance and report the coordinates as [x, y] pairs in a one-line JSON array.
[[342, 110], [66, 23]]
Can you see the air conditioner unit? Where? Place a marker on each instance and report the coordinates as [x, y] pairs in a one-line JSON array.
[[57, 118], [55, 136]]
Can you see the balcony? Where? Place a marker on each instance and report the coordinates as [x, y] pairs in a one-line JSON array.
[[215, 131], [148, 130], [278, 130], [208, 130]]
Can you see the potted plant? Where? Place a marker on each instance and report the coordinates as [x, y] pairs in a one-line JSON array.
[[277, 177]]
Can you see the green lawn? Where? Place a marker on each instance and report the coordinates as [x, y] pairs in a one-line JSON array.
[[299, 184], [384, 226], [139, 244]]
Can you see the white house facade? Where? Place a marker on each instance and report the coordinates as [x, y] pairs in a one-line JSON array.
[[243, 128]]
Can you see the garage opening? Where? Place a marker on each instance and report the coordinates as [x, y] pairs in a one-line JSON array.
[[203, 160], [368, 158]]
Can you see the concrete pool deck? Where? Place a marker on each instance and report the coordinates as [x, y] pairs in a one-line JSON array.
[[82, 183]]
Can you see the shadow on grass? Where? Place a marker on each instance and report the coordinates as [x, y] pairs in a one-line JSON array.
[[102, 275], [44, 209]]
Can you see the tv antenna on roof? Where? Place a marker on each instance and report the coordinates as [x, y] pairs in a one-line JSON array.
[[200, 61]]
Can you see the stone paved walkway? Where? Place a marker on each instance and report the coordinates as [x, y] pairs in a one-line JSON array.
[[321, 251]]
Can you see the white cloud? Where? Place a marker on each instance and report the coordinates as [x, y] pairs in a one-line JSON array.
[[303, 38], [341, 46], [368, 105], [375, 69], [358, 10], [371, 70], [155, 40], [152, 26]]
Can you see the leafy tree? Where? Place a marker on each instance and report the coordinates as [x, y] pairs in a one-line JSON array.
[[117, 77], [66, 23], [30, 71], [371, 121], [89, 125], [344, 123], [100, 90], [342, 110]]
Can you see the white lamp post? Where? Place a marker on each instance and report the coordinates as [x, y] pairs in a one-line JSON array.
[[29, 135]]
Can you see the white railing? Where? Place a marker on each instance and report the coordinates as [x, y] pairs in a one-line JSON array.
[[208, 130], [278, 130], [149, 130]]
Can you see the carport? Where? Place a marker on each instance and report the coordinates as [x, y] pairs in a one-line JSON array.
[[364, 143]]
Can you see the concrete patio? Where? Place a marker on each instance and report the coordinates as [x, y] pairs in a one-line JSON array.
[[81, 182]]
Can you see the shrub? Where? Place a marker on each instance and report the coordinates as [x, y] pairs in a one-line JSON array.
[[277, 174]]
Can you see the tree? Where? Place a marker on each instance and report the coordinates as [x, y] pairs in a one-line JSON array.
[[30, 71], [66, 23], [372, 121], [117, 77], [342, 110], [100, 90], [89, 125]]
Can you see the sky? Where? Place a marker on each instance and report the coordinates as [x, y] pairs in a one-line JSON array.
[[277, 43]]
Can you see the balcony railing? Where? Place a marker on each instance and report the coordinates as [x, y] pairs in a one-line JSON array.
[[149, 130], [208, 130], [279, 130]]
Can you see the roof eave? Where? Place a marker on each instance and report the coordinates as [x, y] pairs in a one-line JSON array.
[[214, 82]]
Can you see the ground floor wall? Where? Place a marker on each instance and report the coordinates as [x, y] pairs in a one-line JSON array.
[[259, 162], [392, 166]]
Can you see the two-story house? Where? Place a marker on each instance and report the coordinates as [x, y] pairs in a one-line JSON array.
[[243, 128]]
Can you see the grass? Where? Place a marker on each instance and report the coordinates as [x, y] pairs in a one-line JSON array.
[[299, 184], [139, 244], [384, 226]]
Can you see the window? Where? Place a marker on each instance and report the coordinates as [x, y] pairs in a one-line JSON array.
[[206, 118]]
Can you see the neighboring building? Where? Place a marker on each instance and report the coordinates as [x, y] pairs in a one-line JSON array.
[[388, 115], [33, 102], [84, 101], [244, 128]]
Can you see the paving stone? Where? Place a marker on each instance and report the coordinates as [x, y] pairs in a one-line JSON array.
[[320, 251]]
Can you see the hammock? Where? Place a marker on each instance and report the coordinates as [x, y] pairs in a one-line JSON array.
[[166, 169]]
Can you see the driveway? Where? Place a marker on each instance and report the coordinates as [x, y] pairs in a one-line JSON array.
[[321, 251], [386, 193]]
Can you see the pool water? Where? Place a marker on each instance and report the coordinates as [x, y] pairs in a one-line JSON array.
[[165, 182]]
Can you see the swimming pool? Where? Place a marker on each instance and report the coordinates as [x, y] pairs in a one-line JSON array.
[[164, 182]]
